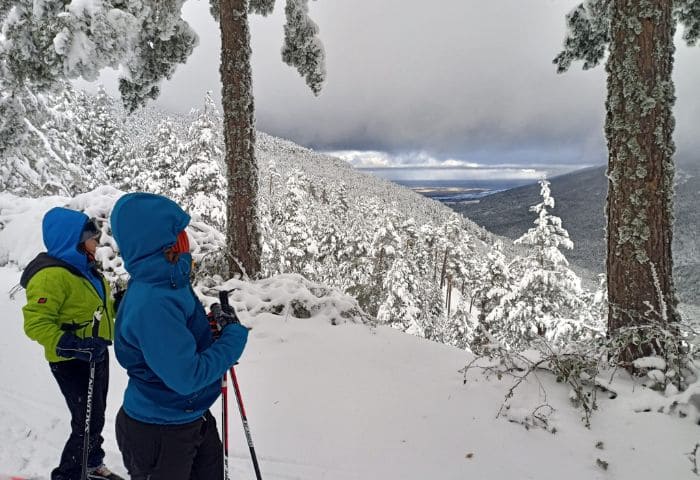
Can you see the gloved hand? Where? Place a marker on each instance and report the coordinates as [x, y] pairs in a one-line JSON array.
[[85, 349], [229, 310], [220, 318]]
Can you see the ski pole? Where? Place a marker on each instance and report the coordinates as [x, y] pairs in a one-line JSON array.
[[224, 422], [244, 419], [216, 312], [88, 402], [223, 298]]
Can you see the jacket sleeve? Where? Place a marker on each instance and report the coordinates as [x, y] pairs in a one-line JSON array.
[[41, 313], [170, 350]]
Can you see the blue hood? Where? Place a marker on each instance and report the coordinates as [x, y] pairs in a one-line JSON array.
[[62, 229], [144, 225]]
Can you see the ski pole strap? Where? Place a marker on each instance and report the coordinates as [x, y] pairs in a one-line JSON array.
[[96, 318]]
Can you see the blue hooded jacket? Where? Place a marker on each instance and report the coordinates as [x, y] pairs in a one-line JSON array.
[[162, 335], [62, 229]]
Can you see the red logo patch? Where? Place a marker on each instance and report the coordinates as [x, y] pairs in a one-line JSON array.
[[42, 300]]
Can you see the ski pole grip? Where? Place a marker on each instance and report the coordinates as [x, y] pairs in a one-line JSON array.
[[223, 298]]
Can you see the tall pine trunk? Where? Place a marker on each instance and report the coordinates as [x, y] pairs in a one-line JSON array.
[[639, 128], [242, 234]]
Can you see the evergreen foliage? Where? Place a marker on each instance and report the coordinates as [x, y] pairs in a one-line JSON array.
[[546, 300], [302, 47], [203, 183], [43, 144]]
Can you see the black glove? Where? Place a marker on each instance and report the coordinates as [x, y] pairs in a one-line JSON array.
[[89, 349], [229, 310], [221, 317]]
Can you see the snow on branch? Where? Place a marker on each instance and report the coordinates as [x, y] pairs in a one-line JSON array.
[[687, 13], [261, 7], [302, 48], [587, 36]]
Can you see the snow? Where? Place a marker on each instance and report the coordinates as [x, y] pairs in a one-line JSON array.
[[650, 363], [351, 402]]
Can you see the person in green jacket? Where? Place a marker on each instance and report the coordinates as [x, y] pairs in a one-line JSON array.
[[64, 292]]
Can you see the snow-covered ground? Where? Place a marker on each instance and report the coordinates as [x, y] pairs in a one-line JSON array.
[[350, 402]]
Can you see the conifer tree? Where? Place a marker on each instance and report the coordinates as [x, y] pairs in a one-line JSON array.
[[639, 127], [401, 284], [202, 182], [40, 151], [547, 296], [161, 165], [300, 248], [102, 139], [303, 50], [496, 281]]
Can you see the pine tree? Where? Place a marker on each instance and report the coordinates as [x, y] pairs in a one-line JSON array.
[[546, 299], [102, 138], [639, 128], [39, 146], [495, 281], [300, 249], [202, 183], [303, 50], [401, 285], [160, 167]]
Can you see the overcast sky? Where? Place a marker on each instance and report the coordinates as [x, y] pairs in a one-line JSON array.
[[449, 82]]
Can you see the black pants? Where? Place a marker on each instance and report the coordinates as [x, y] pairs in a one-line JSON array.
[[191, 451], [73, 377]]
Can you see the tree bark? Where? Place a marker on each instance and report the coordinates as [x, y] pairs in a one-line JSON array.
[[639, 128], [242, 234]]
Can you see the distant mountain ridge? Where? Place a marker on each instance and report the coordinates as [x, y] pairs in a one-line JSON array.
[[580, 202]]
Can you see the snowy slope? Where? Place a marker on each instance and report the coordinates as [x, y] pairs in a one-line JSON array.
[[351, 402]]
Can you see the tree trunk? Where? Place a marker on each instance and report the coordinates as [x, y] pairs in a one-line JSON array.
[[639, 128], [242, 234], [443, 273]]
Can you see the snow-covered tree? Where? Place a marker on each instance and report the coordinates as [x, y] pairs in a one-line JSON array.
[[303, 50], [160, 165], [495, 282], [546, 299], [100, 135], [332, 234], [402, 305], [40, 151], [298, 241], [203, 184], [639, 127], [356, 263]]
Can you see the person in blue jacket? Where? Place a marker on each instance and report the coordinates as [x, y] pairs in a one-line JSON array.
[[163, 339]]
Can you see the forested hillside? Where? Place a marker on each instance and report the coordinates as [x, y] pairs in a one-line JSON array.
[[580, 201], [410, 262]]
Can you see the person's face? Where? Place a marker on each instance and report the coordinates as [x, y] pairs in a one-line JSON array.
[[91, 246]]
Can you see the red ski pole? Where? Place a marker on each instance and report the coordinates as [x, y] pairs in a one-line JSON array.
[[226, 307], [244, 419]]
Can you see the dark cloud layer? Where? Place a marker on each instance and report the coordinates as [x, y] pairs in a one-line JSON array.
[[455, 79]]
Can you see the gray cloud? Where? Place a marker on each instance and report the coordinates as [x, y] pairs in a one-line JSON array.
[[455, 79]]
